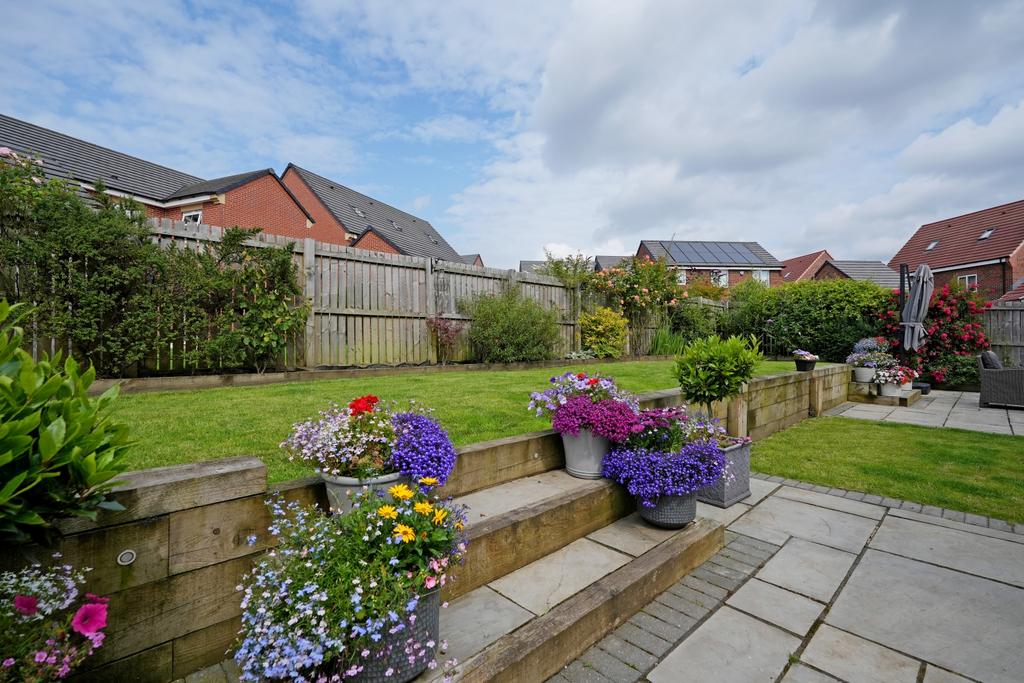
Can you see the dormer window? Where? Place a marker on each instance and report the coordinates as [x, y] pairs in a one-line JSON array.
[[396, 226], [932, 245], [988, 233]]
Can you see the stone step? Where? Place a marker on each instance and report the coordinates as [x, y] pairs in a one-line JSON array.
[[526, 624], [518, 522], [867, 392]]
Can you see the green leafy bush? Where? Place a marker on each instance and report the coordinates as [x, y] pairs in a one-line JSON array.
[[509, 328], [604, 332], [666, 342], [694, 321], [714, 369], [59, 450], [642, 288]]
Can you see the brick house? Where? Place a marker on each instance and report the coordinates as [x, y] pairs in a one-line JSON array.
[[804, 267], [723, 263], [367, 223], [983, 249], [257, 199], [869, 271]]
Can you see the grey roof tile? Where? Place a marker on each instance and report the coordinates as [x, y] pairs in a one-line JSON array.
[[530, 266], [606, 262], [874, 271], [358, 213], [219, 185]]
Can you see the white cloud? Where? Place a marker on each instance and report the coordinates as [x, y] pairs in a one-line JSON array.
[[970, 148], [421, 202]]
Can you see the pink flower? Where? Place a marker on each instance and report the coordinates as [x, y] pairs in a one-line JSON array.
[[40, 657], [92, 597], [430, 582], [9, 662], [90, 618], [26, 604], [5, 151]]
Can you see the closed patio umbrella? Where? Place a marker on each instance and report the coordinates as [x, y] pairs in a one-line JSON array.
[[922, 284]]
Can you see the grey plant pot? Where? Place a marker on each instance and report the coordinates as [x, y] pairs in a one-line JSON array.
[[670, 512], [426, 627], [584, 454], [341, 489], [722, 493], [888, 389], [863, 374]]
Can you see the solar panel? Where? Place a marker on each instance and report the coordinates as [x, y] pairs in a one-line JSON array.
[[706, 255], [676, 252], [748, 256], [722, 253]]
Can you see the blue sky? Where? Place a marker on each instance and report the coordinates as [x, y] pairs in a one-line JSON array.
[[576, 125]]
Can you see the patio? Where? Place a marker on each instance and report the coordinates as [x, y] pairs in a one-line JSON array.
[[957, 409]]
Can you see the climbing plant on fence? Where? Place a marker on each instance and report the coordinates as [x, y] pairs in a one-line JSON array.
[[642, 288]]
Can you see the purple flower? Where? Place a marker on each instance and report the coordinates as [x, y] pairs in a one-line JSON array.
[[612, 419], [650, 473], [422, 448]]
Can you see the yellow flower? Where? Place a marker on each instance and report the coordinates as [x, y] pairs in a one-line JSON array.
[[405, 533], [439, 515], [429, 481], [388, 511], [401, 492], [459, 526], [423, 507]]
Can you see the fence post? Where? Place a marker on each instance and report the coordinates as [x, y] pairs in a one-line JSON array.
[[309, 292], [431, 311]]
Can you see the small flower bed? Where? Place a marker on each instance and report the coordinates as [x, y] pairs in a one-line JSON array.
[[43, 636], [870, 359], [340, 593], [564, 387], [800, 354], [578, 401], [367, 440], [673, 455]]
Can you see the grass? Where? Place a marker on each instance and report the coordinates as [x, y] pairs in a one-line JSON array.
[[951, 468], [181, 427]]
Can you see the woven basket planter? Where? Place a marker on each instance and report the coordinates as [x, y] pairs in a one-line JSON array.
[[341, 489], [427, 627], [670, 512], [722, 493], [584, 454]]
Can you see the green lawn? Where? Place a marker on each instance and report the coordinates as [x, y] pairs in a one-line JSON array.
[[180, 427], [952, 468]]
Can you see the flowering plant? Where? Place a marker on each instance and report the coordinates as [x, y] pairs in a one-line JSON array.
[[674, 455], [611, 419], [366, 440], [595, 387], [42, 636], [800, 354], [340, 592], [871, 345], [870, 359], [889, 375]]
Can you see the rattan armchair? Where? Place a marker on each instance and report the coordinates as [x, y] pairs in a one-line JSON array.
[[1003, 386]]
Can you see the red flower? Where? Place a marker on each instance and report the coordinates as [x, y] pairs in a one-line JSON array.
[[592, 381], [90, 618], [580, 375], [363, 404], [26, 604]]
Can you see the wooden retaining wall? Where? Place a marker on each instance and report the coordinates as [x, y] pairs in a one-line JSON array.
[[173, 604]]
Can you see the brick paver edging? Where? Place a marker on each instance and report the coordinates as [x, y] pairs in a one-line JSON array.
[[896, 503]]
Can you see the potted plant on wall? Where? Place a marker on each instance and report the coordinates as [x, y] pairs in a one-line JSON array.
[[367, 445], [666, 463], [590, 413], [869, 354], [350, 597], [805, 360], [714, 369]]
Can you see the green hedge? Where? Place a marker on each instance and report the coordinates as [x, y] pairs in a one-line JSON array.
[[509, 328]]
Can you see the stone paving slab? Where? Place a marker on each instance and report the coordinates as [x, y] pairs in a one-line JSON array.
[[991, 558], [631, 535], [793, 612], [542, 584], [808, 568], [776, 519], [962, 623], [730, 647], [936, 675], [826, 500], [477, 619], [954, 410], [991, 532], [856, 660], [725, 516], [759, 490], [521, 492]]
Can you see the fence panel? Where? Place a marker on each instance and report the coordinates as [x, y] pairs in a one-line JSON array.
[[1004, 327]]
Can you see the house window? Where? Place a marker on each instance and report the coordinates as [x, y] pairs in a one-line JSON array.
[[988, 233], [681, 276], [761, 276], [192, 216], [720, 277], [932, 245], [968, 281]]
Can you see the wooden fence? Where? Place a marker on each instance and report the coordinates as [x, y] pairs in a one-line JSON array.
[[370, 308], [1004, 326]]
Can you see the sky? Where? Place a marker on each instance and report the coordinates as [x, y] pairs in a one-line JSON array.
[[568, 126]]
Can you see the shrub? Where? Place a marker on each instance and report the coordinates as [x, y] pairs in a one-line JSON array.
[[59, 449], [445, 332], [642, 288], [604, 332], [509, 328], [751, 305], [714, 369], [666, 342], [694, 321]]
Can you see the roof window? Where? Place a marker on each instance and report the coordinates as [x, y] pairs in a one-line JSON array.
[[359, 212], [988, 233], [932, 245]]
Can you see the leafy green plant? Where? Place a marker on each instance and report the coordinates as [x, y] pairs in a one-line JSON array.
[[59, 449], [715, 369], [642, 288], [509, 328], [666, 342], [604, 332], [692, 320]]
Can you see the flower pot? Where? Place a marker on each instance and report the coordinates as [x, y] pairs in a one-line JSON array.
[[728, 490], [888, 389], [804, 365], [584, 454], [863, 374], [341, 489], [426, 628], [670, 512], [907, 386]]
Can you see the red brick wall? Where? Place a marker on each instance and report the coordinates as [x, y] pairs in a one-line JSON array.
[[829, 272], [372, 242], [990, 279], [262, 203], [327, 228]]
